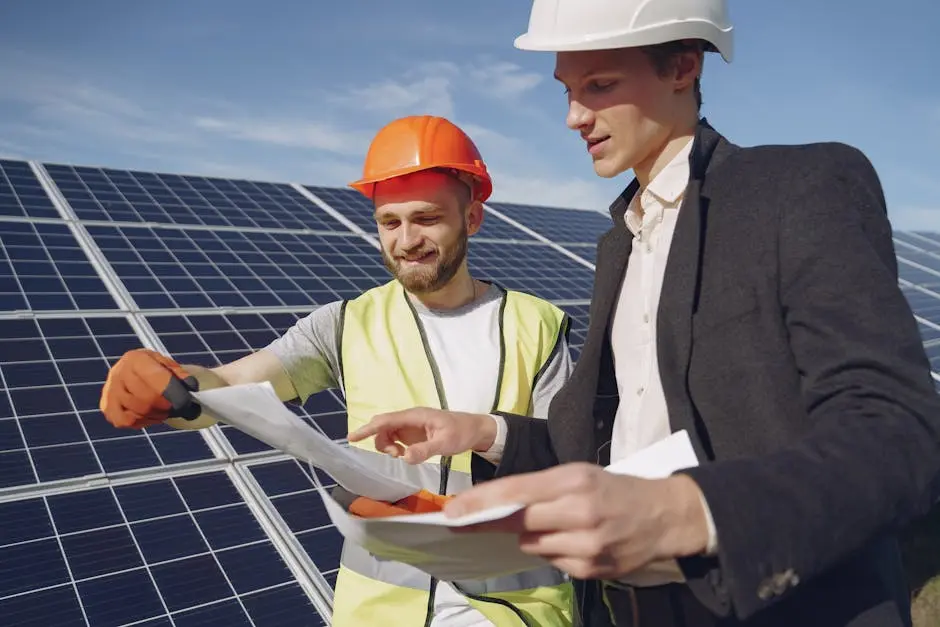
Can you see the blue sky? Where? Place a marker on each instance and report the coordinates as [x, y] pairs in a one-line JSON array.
[[292, 90]]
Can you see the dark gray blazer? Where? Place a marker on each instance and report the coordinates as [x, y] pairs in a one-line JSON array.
[[790, 355]]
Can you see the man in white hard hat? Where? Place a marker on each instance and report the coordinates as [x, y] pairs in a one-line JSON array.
[[747, 297]]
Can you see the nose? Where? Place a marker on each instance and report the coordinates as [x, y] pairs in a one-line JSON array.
[[578, 116], [409, 236]]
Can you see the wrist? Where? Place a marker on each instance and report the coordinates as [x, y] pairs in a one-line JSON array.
[[686, 530], [486, 433]]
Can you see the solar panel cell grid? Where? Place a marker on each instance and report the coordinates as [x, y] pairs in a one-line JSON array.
[[291, 490], [360, 211], [187, 548], [127, 196], [51, 373], [588, 252], [42, 268], [176, 268], [579, 323], [21, 194], [538, 269], [210, 340], [558, 224]]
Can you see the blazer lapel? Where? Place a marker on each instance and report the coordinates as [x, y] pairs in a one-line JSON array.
[[679, 294], [611, 268]]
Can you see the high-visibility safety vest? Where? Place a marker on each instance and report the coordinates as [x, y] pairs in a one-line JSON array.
[[385, 369]]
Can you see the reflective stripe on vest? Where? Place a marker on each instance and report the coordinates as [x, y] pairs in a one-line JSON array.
[[387, 366]]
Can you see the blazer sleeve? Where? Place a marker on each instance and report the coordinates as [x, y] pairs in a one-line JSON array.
[[870, 460]]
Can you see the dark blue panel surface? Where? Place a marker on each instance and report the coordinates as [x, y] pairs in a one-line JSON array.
[[214, 339], [558, 224], [290, 488], [359, 210], [21, 195], [50, 425], [43, 268], [174, 268], [130, 196], [538, 269], [588, 252], [142, 554], [579, 326]]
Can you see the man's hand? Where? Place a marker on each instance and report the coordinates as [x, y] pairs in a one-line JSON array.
[[593, 524], [421, 433], [145, 388]]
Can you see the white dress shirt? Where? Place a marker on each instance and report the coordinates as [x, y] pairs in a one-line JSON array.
[[642, 417]]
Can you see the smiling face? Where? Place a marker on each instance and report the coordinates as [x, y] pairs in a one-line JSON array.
[[624, 108], [424, 222]]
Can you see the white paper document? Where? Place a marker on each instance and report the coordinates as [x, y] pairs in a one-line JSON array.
[[426, 541]]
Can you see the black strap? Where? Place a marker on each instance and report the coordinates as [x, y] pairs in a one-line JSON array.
[[178, 393]]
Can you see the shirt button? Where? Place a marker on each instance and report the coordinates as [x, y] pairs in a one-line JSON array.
[[646, 318], [639, 391], [599, 424]]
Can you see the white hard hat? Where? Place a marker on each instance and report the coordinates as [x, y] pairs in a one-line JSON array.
[[558, 25]]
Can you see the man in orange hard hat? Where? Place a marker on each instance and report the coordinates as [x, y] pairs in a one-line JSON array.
[[433, 337]]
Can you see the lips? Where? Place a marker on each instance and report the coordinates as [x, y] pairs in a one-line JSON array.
[[595, 144], [416, 258]]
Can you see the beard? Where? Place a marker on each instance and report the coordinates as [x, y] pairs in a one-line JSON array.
[[428, 278]]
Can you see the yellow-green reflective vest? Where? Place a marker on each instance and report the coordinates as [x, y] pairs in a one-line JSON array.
[[387, 366]]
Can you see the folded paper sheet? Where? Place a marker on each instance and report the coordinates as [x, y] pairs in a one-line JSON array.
[[426, 541]]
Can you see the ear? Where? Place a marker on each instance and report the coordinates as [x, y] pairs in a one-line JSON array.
[[687, 68], [474, 217]]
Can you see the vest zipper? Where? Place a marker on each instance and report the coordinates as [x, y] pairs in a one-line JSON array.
[[515, 610], [446, 460]]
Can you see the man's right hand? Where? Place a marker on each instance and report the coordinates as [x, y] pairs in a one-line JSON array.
[[145, 388], [420, 433]]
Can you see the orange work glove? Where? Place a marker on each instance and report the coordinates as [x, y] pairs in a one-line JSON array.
[[145, 388], [420, 502]]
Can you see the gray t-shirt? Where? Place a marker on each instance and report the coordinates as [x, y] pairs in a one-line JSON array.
[[464, 343]]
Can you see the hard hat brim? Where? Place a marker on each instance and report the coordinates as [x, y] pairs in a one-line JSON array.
[[483, 188], [721, 39]]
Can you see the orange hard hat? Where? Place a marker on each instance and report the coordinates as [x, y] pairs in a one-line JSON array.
[[423, 142]]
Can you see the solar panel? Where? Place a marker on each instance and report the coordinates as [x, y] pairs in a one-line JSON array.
[[43, 268], [184, 548], [193, 268], [360, 211], [216, 268], [51, 372], [588, 252], [291, 490], [21, 194], [128, 196], [537, 268], [558, 224], [213, 339], [580, 316]]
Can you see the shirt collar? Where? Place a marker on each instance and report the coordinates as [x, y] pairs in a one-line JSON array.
[[665, 188]]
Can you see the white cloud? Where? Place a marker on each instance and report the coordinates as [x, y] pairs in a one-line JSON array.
[[549, 191], [503, 80], [195, 132], [427, 94], [286, 132]]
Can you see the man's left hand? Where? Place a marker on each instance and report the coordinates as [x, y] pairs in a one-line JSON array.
[[593, 524]]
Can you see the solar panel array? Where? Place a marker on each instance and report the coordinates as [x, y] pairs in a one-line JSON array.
[[100, 526]]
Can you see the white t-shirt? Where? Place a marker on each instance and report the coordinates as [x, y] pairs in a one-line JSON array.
[[464, 343]]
